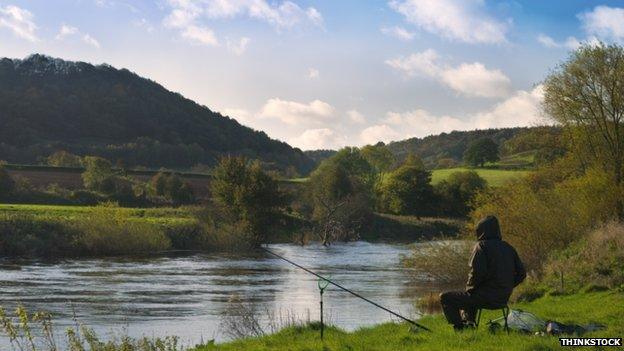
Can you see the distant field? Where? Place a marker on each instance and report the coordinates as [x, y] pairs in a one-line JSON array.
[[154, 215], [494, 177]]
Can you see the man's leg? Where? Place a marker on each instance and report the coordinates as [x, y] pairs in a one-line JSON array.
[[455, 301]]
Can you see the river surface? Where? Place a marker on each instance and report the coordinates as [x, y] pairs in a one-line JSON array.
[[187, 295]]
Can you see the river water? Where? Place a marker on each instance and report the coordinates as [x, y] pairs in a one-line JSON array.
[[186, 295]]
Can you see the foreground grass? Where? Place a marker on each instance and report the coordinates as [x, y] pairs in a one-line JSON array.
[[161, 215], [494, 177], [604, 307]]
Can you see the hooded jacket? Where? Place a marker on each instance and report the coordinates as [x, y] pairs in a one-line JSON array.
[[495, 267]]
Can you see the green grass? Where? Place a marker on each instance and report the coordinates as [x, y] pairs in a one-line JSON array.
[[166, 215], [519, 160], [494, 177], [606, 308]]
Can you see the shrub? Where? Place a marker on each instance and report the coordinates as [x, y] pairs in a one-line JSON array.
[[108, 230], [172, 188], [25, 235], [7, 185], [458, 191], [539, 216], [64, 159], [595, 261], [408, 191], [444, 262], [36, 332]]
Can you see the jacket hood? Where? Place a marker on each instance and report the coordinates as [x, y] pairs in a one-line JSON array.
[[488, 229]]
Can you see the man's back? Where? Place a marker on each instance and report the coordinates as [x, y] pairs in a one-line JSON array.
[[495, 266]]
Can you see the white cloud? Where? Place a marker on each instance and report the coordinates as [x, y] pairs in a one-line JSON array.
[[521, 109], [200, 35], [356, 117], [463, 20], [67, 31], [238, 48], [379, 132], [321, 138], [19, 21], [604, 22], [570, 43], [398, 32], [470, 79], [295, 113], [473, 79], [417, 64], [90, 40], [186, 15], [313, 73]]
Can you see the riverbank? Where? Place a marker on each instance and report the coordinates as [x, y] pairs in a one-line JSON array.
[[58, 231], [603, 307]]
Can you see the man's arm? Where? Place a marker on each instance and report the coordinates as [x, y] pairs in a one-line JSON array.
[[478, 268], [520, 272]]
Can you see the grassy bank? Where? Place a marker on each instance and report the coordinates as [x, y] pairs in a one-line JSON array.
[[605, 307], [494, 177], [53, 231], [160, 215], [387, 227]]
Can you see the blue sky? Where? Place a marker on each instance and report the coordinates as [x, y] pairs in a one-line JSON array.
[[325, 74]]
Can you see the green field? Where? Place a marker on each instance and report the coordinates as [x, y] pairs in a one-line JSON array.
[[494, 177], [159, 215], [604, 308]]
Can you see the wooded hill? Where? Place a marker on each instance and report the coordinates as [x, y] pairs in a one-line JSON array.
[[49, 104]]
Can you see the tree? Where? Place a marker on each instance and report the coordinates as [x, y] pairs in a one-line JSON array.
[[248, 195], [408, 191], [172, 187], [340, 190], [413, 160], [7, 184], [458, 191], [481, 151], [585, 94], [64, 159], [98, 174]]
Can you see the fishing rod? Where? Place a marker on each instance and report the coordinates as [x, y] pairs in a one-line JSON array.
[[347, 290]]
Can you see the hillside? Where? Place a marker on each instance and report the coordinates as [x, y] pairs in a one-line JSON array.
[[50, 104], [451, 145]]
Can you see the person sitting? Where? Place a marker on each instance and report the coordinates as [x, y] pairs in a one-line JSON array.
[[495, 270]]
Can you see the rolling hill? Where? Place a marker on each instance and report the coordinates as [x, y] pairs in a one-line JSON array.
[[48, 104]]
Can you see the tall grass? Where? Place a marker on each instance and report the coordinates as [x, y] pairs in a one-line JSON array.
[[108, 230], [36, 332], [444, 262], [594, 262], [540, 215]]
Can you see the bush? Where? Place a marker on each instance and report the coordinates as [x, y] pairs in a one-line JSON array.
[[25, 235], [172, 188], [457, 193], [594, 262], [108, 230], [7, 185], [540, 216], [408, 191], [444, 262]]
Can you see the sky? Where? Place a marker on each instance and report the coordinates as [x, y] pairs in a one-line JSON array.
[[328, 73]]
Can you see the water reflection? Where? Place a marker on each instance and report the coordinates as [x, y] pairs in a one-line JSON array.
[[185, 295]]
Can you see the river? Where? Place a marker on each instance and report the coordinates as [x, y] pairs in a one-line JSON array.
[[186, 295]]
